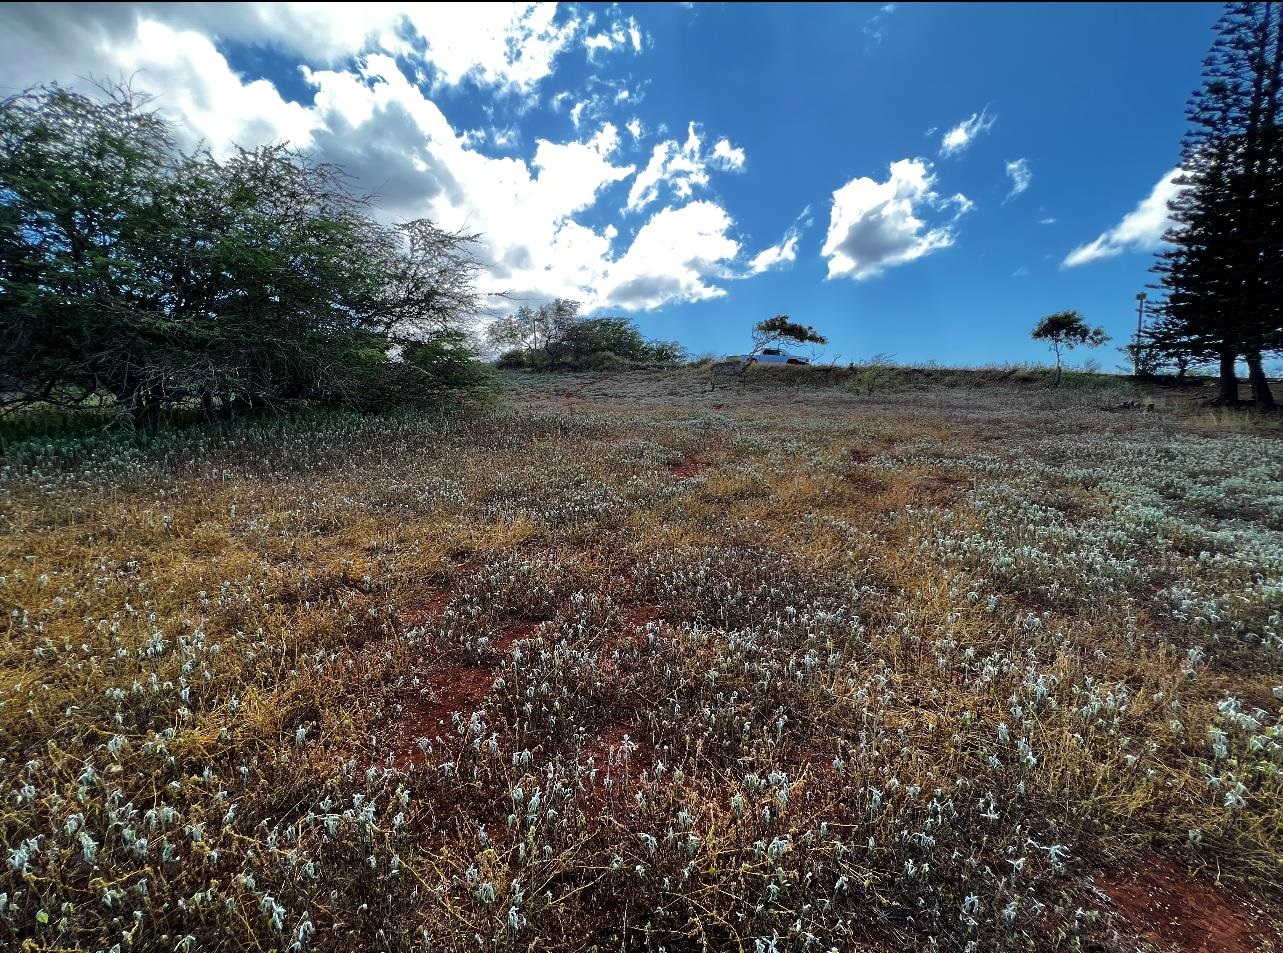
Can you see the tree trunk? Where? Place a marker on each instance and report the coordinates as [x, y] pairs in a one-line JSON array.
[[144, 408], [1261, 395], [1229, 378], [146, 412], [207, 405]]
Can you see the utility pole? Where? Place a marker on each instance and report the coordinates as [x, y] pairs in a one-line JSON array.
[[1140, 326]]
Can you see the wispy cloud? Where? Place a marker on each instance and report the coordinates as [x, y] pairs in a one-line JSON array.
[[873, 26], [1141, 229], [783, 253], [960, 137], [1021, 175], [681, 168]]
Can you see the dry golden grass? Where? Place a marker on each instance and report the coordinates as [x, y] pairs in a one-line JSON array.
[[901, 670]]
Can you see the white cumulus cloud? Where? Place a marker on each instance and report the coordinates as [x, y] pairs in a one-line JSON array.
[[728, 156], [1020, 174], [961, 136], [201, 90], [498, 44], [1141, 229], [672, 257], [371, 76], [508, 46], [875, 225]]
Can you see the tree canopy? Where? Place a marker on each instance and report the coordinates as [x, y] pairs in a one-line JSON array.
[[783, 328], [1065, 330], [141, 276], [554, 336]]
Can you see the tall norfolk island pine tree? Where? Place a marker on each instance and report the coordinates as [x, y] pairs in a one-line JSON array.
[[1224, 274]]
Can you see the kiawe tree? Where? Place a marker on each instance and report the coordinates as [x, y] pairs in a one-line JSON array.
[[777, 330], [781, 329], [554, 335], [534, 329], [1064, 331], [136, 275]]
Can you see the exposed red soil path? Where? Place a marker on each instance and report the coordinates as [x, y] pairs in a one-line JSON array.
[[417, 615], [458, 688], [504, 641], [687, 469], [1161, 903]]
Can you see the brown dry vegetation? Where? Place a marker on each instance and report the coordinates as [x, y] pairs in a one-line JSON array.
[[632, 664]]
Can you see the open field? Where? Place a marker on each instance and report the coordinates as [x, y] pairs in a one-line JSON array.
[[623, 663]]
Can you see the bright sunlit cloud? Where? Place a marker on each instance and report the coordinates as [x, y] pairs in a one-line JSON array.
[[876, 225]]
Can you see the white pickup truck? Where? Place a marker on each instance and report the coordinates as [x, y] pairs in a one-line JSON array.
[[771, 355]]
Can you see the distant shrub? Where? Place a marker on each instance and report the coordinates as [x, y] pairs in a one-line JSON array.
[[877, 373], [555, 338], [602, 361], [515, 359]]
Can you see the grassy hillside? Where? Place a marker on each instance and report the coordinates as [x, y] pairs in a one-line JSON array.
[[631, 663]]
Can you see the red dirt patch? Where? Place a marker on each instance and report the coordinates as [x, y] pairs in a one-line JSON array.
[[939, 488], [1161, 903], [687, 468], [458, 689], [875, 447], [867, 480], [625, 759], [504, 640], [634, 618], [417, 615]]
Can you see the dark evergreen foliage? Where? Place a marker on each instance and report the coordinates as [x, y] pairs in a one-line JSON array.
[[1223, 275]]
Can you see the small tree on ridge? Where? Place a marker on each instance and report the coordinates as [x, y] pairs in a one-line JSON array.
[[779, 329], [1064, 331]]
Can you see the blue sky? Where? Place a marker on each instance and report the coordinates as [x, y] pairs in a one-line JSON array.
[[920, 180]]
